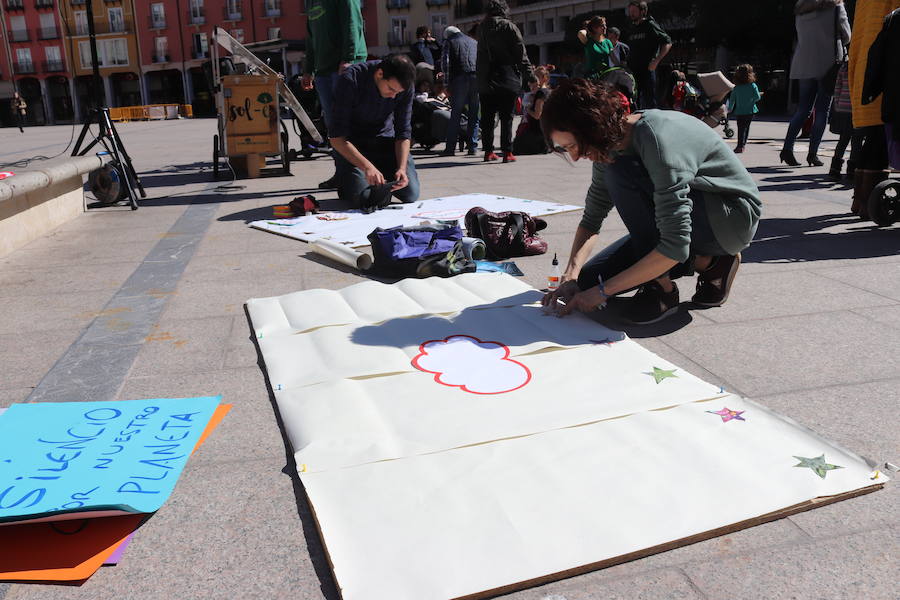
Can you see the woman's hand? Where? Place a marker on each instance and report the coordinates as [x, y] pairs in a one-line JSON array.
[[587, 301], [565, 292]]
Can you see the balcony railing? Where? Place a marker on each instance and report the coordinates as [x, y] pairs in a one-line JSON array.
[[15, 4], [196, 17], [54, 66], [48, 33], [156, 22], [200, 53], [398, 3], [23, 68], [232, 13], [270, 9], [43, 3], [161, 58], [437, 2], [19, 35], [77, 2]]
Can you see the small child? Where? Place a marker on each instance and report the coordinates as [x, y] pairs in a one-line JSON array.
[[742, 103]]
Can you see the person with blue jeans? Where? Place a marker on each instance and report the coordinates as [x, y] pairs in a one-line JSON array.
[[335, 41], [370, 130], [458, 65], [687, 201], [822, 33]]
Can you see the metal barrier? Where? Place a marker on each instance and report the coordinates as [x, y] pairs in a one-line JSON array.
[[151, 112]]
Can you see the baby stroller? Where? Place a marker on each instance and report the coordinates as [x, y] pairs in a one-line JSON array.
[[429, 121], [709, 106], [884, 201]]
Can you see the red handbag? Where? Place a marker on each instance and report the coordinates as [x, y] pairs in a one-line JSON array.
[[506, 234]]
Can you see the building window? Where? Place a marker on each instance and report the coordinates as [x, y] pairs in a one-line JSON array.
[[274, 33], [238, 34], [48, 26], [81, 25], [272, 8], [564, 22], [532, 27], [198, 15], [54, 59], [399, 34], [201, 45], [548, 25], [233, 10], [158, 15], [161, 47], [110, 53], [116, 20], [438, 25], [18, 29], [23, 61]]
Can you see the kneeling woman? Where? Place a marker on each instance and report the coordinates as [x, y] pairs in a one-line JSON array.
[[687, 201]]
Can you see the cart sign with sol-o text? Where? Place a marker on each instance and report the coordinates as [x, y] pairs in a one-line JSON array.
[[251, 115]]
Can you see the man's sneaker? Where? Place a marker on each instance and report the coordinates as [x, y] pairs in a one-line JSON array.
[[490, 156], [508, 157], [471, 152], [651, 304], [329, 184], [714, 284], [448, 152]]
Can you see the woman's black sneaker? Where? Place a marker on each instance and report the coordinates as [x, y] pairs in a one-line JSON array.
[[651, 304], [714, 284]]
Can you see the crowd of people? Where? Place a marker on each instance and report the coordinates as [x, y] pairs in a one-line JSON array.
[[688, 203]]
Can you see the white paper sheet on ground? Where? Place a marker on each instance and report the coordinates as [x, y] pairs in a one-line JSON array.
[[537, 451], [364, 350], [373, 302], [481, 518], [352, 227], [347, 422]]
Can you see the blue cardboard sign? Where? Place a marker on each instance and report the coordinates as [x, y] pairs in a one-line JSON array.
[[63, 457]]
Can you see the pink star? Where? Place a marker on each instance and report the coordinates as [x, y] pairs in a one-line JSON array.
[[727, 414]]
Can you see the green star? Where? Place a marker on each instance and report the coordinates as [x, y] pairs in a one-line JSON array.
[[817, 464], [660, 374]]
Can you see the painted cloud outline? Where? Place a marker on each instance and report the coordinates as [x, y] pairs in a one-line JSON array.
[[423, 351]]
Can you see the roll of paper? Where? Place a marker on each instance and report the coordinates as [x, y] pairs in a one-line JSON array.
[[342, 254]]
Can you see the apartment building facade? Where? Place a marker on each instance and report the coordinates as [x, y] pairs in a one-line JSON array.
[[149, 51], [35, 61], [399, 19]]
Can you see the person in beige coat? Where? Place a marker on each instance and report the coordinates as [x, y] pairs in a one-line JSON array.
[[822, 33]]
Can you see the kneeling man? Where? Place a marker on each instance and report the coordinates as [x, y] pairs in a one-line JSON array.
[[370, 130]]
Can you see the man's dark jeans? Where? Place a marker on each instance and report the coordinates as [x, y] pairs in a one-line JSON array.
[[352, 185], [631, 190], [646, 88]]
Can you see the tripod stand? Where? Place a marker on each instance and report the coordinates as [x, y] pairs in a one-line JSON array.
[[109, 137]]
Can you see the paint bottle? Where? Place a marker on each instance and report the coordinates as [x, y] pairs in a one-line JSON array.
[[554, 276]]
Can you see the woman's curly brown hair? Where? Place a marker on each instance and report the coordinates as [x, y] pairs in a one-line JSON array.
[[592, 112]]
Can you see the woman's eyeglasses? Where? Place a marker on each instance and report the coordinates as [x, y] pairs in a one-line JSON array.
[[564, 153]]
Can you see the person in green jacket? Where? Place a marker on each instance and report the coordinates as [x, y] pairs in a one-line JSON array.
[[335, 41], [687, 201], [597, 47], [742, 103]]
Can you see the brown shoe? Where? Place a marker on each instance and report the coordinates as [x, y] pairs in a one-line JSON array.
[[714, 284]]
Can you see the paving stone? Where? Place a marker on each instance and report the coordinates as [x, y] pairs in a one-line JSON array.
[[757, 296], [23, 314], [845, 567], [12, 396], [664, 583], [881, 279], [789, 353], [184, 346], [48, 280], [887, 315], [26, 357]]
